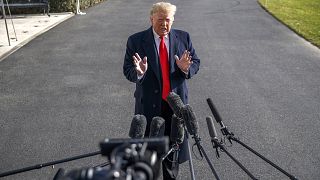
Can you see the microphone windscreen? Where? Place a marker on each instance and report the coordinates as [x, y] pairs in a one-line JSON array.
[[190, 120], [157, 127], [214, 111], [211, 128], [177, 130], [175, 103], [138, 126]]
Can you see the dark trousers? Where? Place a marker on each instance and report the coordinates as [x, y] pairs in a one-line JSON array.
[[169, 169]]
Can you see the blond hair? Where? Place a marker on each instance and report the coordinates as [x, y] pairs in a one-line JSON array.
[[165, 7]]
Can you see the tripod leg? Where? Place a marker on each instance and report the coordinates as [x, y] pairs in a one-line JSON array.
[[262, 157], [190, 162], [237, 162], [208, 160]]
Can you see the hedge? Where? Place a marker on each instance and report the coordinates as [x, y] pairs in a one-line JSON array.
[[56, 6], [70, 5]]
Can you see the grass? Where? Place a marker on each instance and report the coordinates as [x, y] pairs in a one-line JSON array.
[[302, 16]]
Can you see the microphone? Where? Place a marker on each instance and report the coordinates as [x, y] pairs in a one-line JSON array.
[[224, 129], [230, 137], [214, 111], [193, 129], [213, 134], [211, 128], [177, 130], [216, 145], [175, 103], [138, 126], [176, 136], [157, 127], [190, 120], [191, 124]]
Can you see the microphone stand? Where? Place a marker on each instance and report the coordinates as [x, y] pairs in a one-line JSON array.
[[201, 151], [230, 136], [173, 149], [39, 166], [190, 157], [262, 157], [217, 144]]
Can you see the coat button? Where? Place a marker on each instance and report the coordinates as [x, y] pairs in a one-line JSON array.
[[153, 105], [156, 91]]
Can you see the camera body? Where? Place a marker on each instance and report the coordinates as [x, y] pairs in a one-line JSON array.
[[130, 159]]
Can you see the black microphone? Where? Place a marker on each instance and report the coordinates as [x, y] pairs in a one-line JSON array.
[[214, 111], [211, 128], [192, 125], [175, 103], [193, 128], [224, 129], [216, 145], [157, 127], [190, 120], [213, 134], [230, 137], [176, 137], [177, 130], [138, 126]]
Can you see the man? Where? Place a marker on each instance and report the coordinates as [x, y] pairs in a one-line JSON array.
[[159, 60]]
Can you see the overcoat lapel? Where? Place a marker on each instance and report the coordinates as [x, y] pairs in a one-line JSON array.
[[173, 49], [151, 53]]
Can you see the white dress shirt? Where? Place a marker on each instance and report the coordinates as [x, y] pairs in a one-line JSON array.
[[157, 41]]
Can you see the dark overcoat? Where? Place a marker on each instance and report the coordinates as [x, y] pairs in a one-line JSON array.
[[149, 88]]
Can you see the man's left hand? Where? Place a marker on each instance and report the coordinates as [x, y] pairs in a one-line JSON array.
[[184, 62]]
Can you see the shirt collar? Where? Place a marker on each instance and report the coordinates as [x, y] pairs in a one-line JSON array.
[[156, 36]]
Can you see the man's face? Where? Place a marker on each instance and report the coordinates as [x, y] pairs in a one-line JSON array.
[[162, 23]]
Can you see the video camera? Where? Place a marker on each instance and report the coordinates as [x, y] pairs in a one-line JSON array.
[[130, 159]]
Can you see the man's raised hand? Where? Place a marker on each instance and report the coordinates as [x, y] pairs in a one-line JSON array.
[[141, 64], [184, 62]]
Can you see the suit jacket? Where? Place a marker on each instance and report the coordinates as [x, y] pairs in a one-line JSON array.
[[149, 88]]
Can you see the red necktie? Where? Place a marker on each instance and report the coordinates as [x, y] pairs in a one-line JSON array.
[[164, 62]]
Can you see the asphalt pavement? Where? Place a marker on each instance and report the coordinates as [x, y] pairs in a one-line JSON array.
[[17, 30], [64, 91]]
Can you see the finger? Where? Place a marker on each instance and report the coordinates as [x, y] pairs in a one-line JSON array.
[[135, 60], [144, 61], [138, 57], [185, 56], [176, 57]]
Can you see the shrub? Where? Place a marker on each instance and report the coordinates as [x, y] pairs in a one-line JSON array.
[[70, 5], [55, 6]]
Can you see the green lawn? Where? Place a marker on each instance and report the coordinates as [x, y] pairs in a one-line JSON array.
[[303, 16]]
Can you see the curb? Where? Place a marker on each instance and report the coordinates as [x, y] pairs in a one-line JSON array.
[[24, 42]]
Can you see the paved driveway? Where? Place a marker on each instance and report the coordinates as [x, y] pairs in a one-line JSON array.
[[64, 91]]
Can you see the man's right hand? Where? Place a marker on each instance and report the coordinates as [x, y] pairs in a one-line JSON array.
[[141, 64]]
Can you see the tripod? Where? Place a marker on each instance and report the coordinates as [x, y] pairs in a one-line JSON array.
[[201, 150], [39, 166], [230, 137]]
